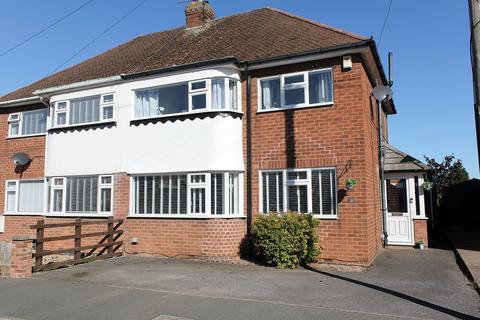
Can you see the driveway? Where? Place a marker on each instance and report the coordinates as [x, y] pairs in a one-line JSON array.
[[403, 284]]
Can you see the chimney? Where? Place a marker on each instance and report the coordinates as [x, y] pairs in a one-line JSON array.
[[198, 12]]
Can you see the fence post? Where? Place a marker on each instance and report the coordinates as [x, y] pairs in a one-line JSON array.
[[39, 243], [110, 235], [78, 238]]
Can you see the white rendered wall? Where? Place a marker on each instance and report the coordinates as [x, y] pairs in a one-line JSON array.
[[194, 144]]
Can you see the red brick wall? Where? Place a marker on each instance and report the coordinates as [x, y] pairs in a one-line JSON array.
[[321, 137], [420, 227]]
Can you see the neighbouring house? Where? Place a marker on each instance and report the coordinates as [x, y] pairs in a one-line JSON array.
[[191, 133]]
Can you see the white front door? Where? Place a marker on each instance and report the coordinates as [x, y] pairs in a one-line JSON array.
[[399, 219]]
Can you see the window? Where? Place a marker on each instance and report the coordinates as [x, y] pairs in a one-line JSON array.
[[300, 190], [80, 195], [187, 194], [24, 196], [397, 195], [84, 110], [207, 94], [296, 90], [27, 123]]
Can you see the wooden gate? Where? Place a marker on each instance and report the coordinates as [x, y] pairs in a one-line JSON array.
[[108, 246]]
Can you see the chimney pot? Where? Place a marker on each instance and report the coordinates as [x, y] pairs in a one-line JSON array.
[[198, 13]]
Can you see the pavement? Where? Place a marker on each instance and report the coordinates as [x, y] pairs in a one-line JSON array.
[[403, 284], [466, 245]]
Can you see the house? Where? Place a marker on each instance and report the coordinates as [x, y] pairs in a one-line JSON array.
[[191, 133]]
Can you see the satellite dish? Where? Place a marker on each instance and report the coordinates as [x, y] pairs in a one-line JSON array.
[[20, 159], [382, 93]]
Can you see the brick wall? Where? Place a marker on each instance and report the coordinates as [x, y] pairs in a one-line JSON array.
[[420, 227], [324, 137]]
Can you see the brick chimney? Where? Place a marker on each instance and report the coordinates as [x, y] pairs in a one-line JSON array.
[[198, 12]]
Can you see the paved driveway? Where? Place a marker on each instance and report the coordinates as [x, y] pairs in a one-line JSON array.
[[403, 284]]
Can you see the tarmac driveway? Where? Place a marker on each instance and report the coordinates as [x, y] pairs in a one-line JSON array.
[[403, 284]]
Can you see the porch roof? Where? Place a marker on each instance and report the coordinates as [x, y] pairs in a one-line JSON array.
[[396, 160]]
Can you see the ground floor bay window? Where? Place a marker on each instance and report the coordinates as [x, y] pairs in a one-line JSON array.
[[216, 194], [299, 190]]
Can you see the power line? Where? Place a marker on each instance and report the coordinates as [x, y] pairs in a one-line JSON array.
[[44, 29], [100, 35], [384, 22]]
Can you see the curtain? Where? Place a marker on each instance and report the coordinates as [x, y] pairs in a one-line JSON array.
[[34, 122], [270, 94], [218, 94], [147, 103], [85, 110], [232, 85], [30, 196], [320, 87]]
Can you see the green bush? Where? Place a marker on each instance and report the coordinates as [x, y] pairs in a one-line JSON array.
[[285, 240]]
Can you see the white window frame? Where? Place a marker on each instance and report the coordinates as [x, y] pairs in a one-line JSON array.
[[207, 91], [297, 182], [19, 122], [16, 190], [206, 185], [104, 105], [63, 187], [283, 87]]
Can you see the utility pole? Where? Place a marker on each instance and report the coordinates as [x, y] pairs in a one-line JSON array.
[[474, 6]]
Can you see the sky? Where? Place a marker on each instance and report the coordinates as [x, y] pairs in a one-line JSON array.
[[429, 40]]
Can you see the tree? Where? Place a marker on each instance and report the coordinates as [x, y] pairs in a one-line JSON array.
[[446, 173]]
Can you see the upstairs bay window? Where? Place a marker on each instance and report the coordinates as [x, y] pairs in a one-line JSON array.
[[300, 190], [312, 88], [27, 123], [193, 96], [81, 195], [83, 111], [189, 195]]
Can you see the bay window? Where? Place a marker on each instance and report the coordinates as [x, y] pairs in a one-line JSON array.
[[193, 96], [81, 195], [301, 89], [195, 194], [24, 196], [83, 110], [300, 190], [27, 123]]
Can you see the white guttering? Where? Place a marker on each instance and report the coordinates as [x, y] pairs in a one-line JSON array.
[[19, 102], [77, 85]]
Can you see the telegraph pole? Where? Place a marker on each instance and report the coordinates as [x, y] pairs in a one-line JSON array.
[[474, 6]]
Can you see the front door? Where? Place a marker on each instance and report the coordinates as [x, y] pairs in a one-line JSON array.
[[399, 221]]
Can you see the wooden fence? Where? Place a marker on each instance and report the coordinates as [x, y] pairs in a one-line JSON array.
[[108, 246]]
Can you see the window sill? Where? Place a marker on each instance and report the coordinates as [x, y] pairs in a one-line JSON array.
[[26, 136], [187, 115], [38, 214], [420, 218], [325, 217], [182, 216], [320, 105], [100, 124]]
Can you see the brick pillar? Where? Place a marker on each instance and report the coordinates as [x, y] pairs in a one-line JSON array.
[[421, 230], [21, 258]]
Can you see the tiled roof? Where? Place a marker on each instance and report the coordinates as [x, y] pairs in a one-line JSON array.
[[256, 35], [396, 160]]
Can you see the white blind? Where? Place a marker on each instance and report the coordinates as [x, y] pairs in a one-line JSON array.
[[82, 194], [34, 122], [30, 196], [85, 110]]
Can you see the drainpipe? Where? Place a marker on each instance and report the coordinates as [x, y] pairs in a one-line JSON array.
[[381, 158], [249, 151]]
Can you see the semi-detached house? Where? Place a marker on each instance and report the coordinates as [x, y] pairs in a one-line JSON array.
[[191, 133]]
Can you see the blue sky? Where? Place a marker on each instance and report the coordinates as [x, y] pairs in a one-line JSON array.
[[429, 39]]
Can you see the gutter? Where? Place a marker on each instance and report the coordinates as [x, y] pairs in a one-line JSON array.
[[77, 85], [20, 102]]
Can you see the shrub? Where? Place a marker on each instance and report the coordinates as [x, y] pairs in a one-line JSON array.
[[285, 240]]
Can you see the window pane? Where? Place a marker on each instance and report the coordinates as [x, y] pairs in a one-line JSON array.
[[106, 180], [216, 193], [233, 189], [34, 122], [316, 191], [270, 93], [296, 175], [140, 194], [183, 194], [108, 98], [294, 96], [11, 201], [397, 195], [199, 101], [294, 79], [197, 200], [61, 105], [218, 94], [149, 195], [199, 85], [174, 194], [108, 112], [272, 192], [57, 200], [161, 101], [30, 196], [297, 199], [320, 87], [14, 129], [233, 94], [85, 110], [329, 191], [61, 118], [82, 194], [158, 194], [106, 200], [166, 194]]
